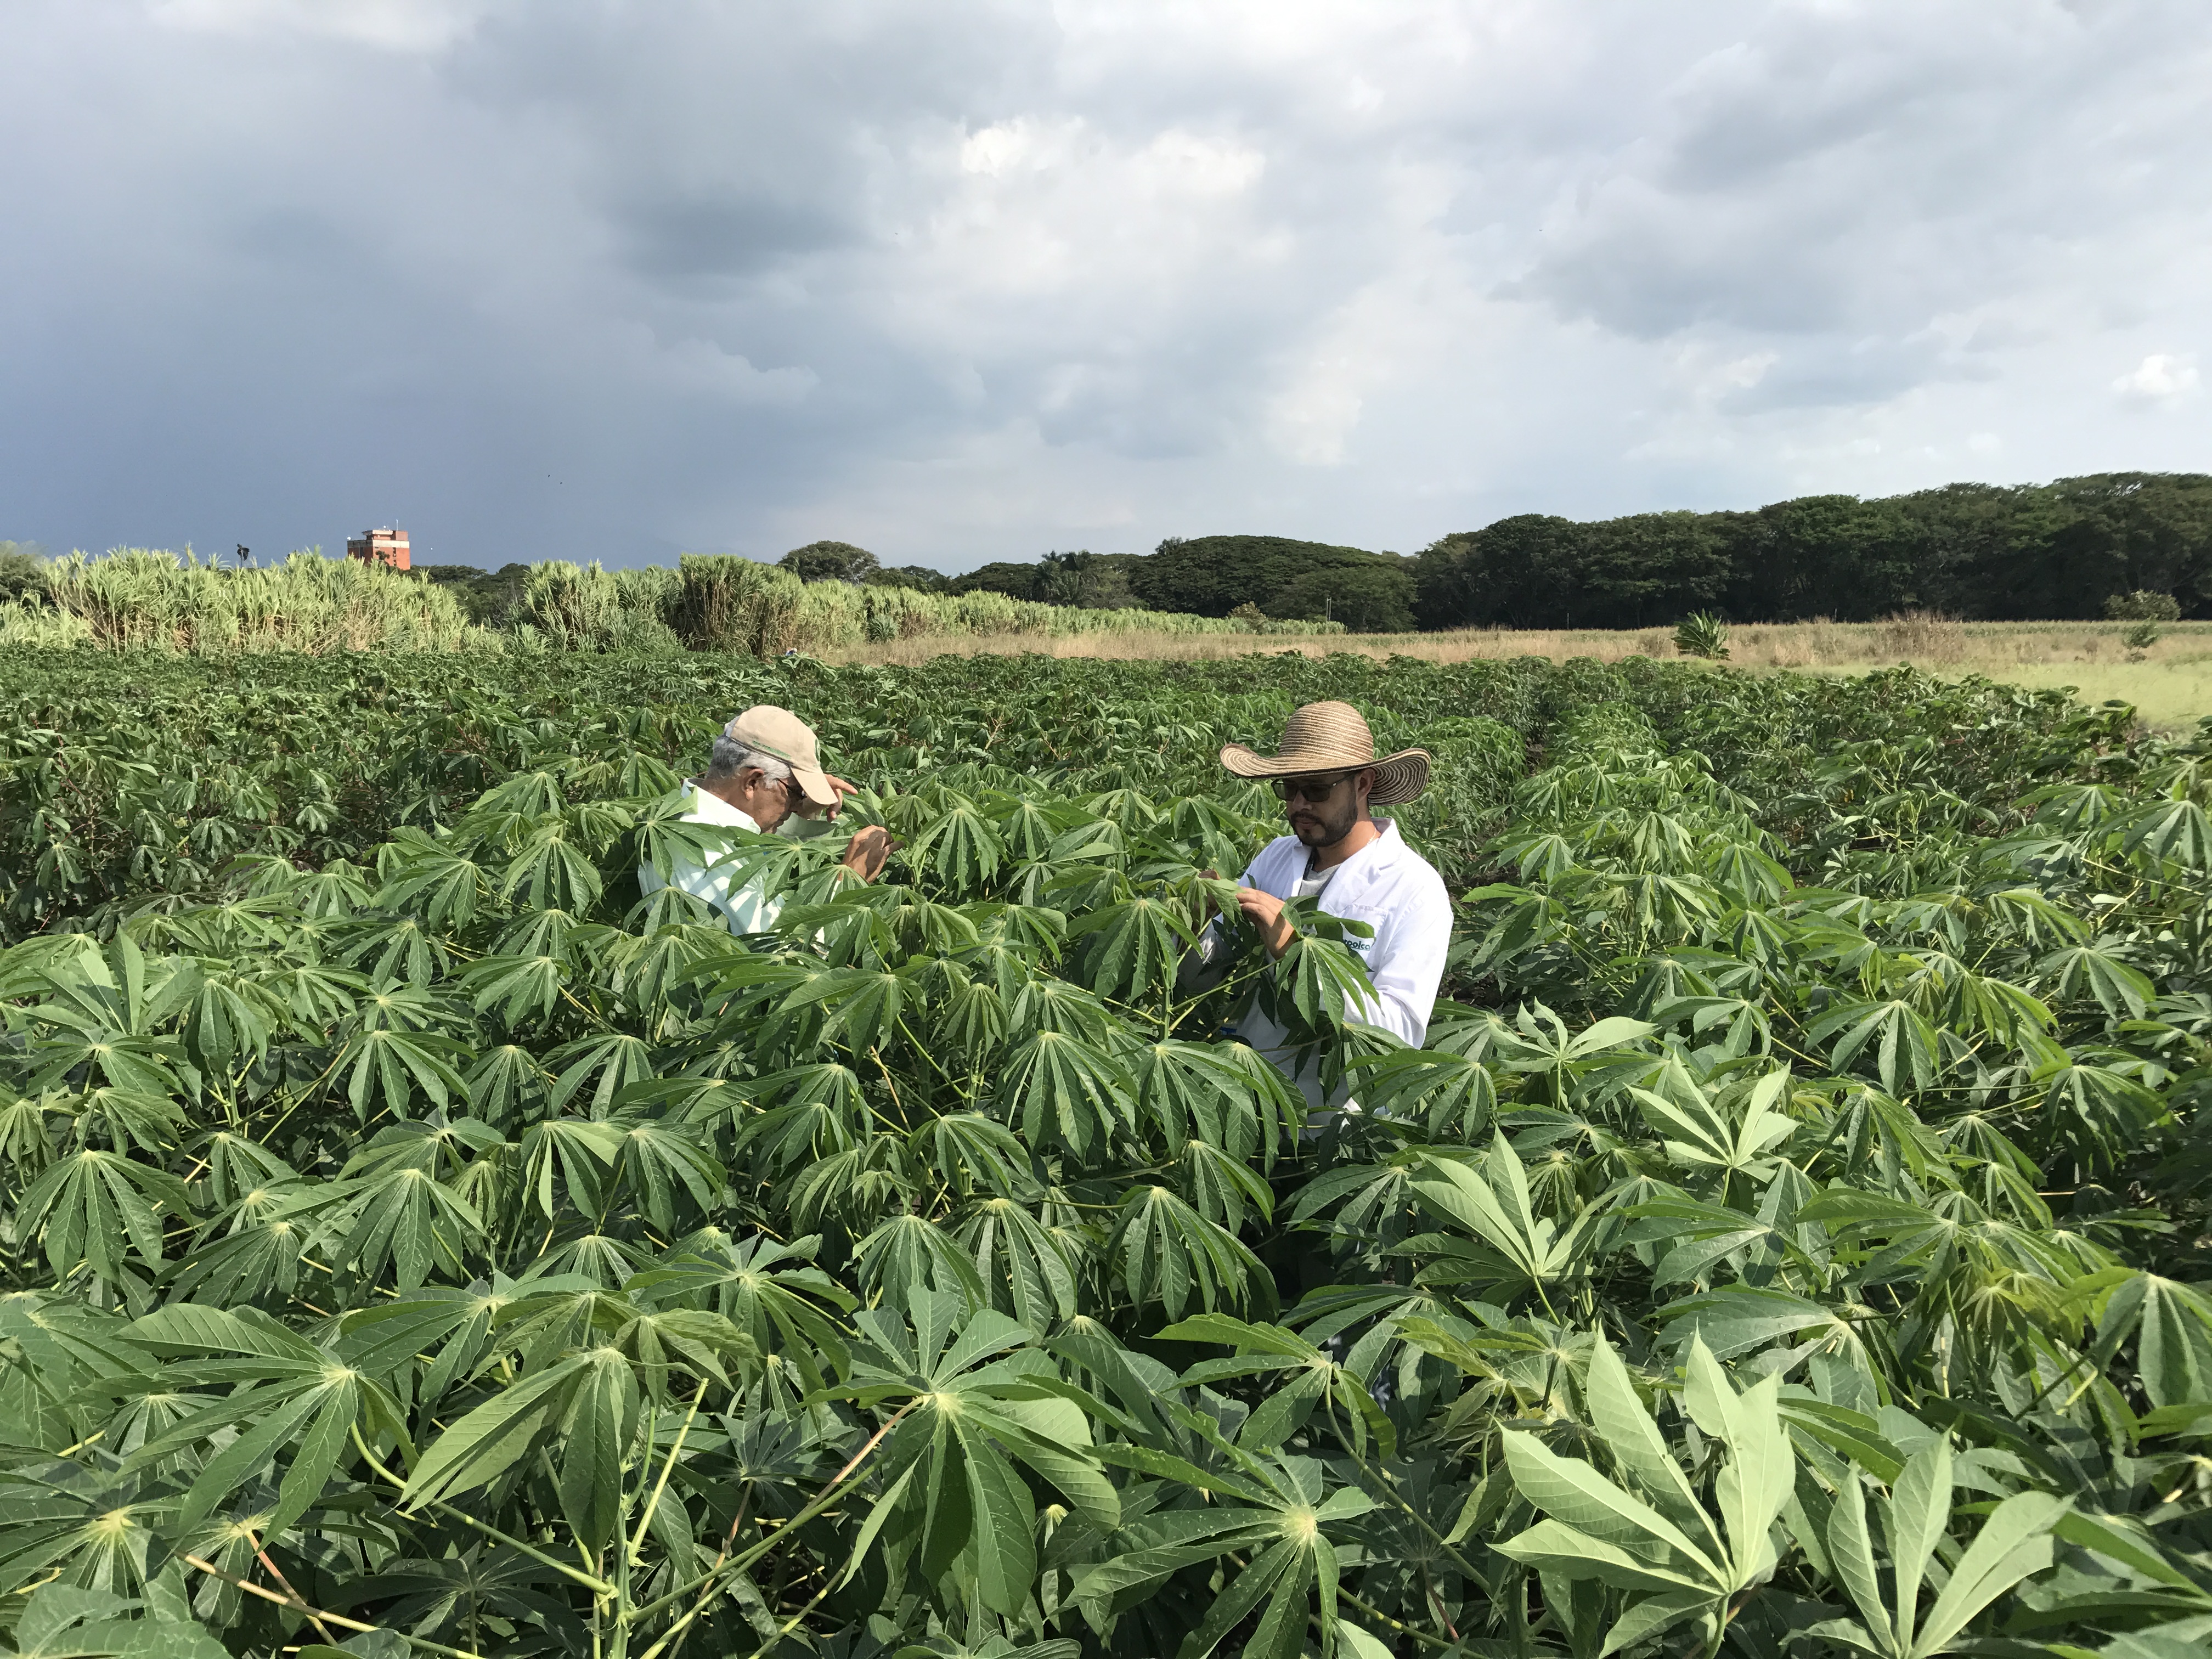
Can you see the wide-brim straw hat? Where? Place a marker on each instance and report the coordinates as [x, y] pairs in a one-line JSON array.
[[1333, 737]]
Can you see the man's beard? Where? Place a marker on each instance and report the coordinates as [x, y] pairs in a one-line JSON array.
[[1324, 826]]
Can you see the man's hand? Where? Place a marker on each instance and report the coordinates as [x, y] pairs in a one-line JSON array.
[[870, 847], [842, 789], [1265, 912]]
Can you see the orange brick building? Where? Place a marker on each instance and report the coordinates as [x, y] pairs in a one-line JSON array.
[[379, 547]]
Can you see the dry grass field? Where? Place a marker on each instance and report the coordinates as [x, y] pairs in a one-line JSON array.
[[2170, 685]]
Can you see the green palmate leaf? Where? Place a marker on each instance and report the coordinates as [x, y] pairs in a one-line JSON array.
[[24, 1141], [1737, 1319], [1530, 1251], [1641, 1452], [98, 1208], [1701, 1137], [1318, 982], [433, 882], [969, 1414], [63, 1621], [1756, 1484], [1309, 1379], [498, 1435], [1060, 1091], [975, 1154], [227, 1021], [436, 1332], [1849, 1434], [961, 849], [577, 1155], [2013, 1542], [1026, 1268], [1451, 1094], [663, 1165], [2116, 985], [1850, 1548], [1133, 948], [1221, 1187], [1223, 1094], [908, 1252], [405, 1219], [505, 1083], [604, 1065], [1895, 1035], [1571, 1552], [766, 1292], [596, 1429], [1667, 1553], [1918, 1513], [2171, 1322], [1162, 1251], [1003, 1525], [1206, 1536], [550, 873], [1581, 1500], [298, 1395], [2172, 831], [387, 1068]]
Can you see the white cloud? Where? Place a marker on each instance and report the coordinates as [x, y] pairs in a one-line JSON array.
[[2161, 378], [395, 25]]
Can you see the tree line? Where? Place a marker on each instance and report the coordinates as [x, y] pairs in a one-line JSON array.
[[1978, 551]]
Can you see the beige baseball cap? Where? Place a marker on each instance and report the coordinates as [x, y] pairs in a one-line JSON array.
[[780, 733]]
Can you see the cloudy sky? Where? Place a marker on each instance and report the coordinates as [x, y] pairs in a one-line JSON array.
[[968, 280]]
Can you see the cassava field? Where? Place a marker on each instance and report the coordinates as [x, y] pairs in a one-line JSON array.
[[1792, 1242]]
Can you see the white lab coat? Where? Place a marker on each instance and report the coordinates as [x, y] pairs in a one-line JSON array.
[[1397, 891], [747, 910]]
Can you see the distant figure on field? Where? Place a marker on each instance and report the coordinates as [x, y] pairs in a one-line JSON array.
[[764, 769], [1357, 865]]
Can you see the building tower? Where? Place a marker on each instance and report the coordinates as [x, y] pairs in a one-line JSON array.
[[384, 547]]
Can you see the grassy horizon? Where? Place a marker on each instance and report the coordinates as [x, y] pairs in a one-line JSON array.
[[2169, 684]]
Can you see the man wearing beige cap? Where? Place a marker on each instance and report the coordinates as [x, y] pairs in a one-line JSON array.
[[1356, 866], [764, 769]]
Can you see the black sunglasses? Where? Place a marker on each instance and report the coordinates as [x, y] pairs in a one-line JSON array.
[[1310, 789]]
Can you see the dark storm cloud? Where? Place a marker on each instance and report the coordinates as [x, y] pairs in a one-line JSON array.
[[593, 278]]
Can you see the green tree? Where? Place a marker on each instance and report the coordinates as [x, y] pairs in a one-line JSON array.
[[1521, 572], [1366, 598], [1088, 581], [919, 577], [1651, 567], [19, 562], [2142, 605], [829, 562], [2116, 532], [1211, 575], [1016, 581]]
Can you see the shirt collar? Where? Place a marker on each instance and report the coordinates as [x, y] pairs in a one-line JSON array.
[[708, 807], [1383, 851]]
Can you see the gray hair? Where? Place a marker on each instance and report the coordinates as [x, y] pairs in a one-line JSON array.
[[730, 758]]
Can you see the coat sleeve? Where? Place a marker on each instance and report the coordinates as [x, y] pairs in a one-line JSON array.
[[1409, 961]]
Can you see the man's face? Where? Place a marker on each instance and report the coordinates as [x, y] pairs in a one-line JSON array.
[[1323, 808], [766, 800]]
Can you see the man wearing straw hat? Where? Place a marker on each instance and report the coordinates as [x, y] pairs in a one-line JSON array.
[[763, 770], [1357, 866]]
